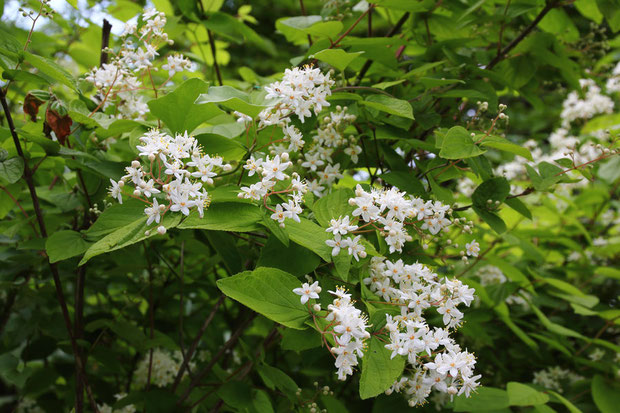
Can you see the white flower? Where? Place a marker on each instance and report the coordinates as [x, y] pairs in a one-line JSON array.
[[279, 214], [308, 291], [116, 191], [335, 244], [153, 213], [472, 248], [340, 226]]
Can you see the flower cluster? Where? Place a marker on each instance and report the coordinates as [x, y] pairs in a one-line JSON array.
[[389, 211], [177, 168], [300, 91], [553, 378], [120, 80], [416, 288], [594, 102], [348, 326], [272, 172], [165, 367], [613, 83]]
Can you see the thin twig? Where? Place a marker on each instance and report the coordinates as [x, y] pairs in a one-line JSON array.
[[213, 54], [502, 54], [192, 348]]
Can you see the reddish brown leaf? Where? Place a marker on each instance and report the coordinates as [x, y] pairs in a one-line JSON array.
[[31, 106], [61, 125]]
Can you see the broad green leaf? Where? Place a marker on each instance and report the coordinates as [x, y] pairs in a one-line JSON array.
[[389, 105], [220, 145], [228, 26], [128, 235], [405, 181], [225, 216], [179, 112], [11, 170], [379, 371], [337, 58], [277, 379], [570, 406], [484, 399], [268, 291], [495, 222], [232, 99], [300, 340], [226, 247], [606, 395], [458, 144], [62, 245], [502, 144], [52, 70], [523, 395], [333, 206], [589, 9], [295, 259], [296, 29], [494, 189], [597, 123], [519, 206], [308, 234]]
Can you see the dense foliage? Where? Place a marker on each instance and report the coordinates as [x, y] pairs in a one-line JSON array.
[[310, 205]]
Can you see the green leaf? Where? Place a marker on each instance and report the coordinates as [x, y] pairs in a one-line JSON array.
[[333, 206], [597, 123], [11, 170], [300, 340], [127, 235], [268, 291], [523, 395], [52, 70], [379, 371], [458, 144], [296, 29], [62, 245], [228, 26], [571, 407], [293, 258], [179, 112], [502, 144], [405, 181], [225, 216], [226, 247], [495, 222], [519, 206], [606, 395], [337, 58], [548, 175], [589, 9], [494, 189], [220, 145], [485, 399], [389, 105], [277, 379], [308, 234], [232, 99]]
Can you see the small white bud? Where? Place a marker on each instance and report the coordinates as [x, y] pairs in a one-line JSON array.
[[161, 230], [137, 192], [362, 254], [316, 307], [227, 167], [135, 164]]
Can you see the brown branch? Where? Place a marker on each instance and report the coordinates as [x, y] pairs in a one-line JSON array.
[[391, 33], [502, 54], [226, 347], [105, 41], [215, 65], [192, 349], [53, 268], [350, 29]]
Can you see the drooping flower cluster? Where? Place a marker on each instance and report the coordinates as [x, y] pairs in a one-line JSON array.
[[389, 211], [594, 102], [120, 81], [555, 378], [301, 91], [613, 83], [348, 327], [165, 367], [415, 288], [177, 168], [272, 172]]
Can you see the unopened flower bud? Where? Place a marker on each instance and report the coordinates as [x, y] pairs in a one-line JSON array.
[[135, 164], [161, 230], [316, 307]]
